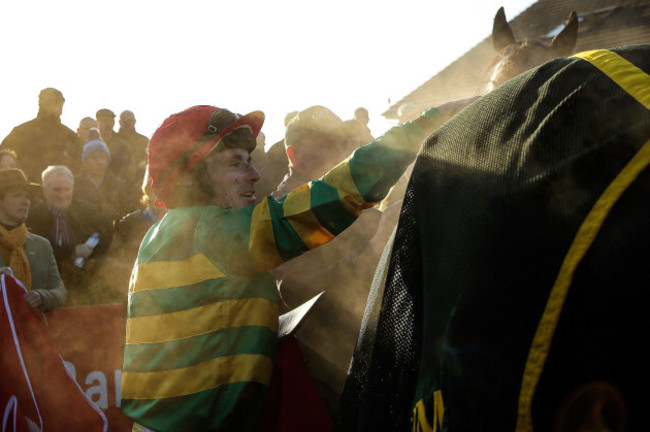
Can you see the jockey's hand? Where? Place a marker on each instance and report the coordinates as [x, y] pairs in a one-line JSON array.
[[33, 299], [6, 271]]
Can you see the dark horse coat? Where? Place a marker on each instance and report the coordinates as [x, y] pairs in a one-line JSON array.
[[516, 293]]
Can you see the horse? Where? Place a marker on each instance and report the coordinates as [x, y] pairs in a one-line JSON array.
[[506, 302], [514, 57], [345, 267]]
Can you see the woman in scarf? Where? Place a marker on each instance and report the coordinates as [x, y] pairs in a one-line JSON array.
[[28, 257]]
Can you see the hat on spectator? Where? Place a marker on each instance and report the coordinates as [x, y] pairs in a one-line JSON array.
[[104, 112], [94, 146], [313, 121], [187, 137], [14, 178]]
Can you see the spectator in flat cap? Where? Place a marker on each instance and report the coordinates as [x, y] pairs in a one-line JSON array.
[[26, 256], [104, 112], [44, 140], [96, 184], [121, 163]]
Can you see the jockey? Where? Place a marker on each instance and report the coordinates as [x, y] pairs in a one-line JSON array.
[[202, 322]]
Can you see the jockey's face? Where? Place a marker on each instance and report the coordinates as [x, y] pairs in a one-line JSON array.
[[232, 177]]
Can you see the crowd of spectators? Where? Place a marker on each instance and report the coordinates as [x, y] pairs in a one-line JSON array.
[[94, 184], [90, 181], [94, 208]]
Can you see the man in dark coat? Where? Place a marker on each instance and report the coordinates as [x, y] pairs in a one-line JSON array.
[[44, 140]]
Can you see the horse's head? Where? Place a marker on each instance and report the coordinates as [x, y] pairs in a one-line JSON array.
[[515, 57]]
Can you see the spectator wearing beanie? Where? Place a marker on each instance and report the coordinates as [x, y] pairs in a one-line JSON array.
[[97, 185], [121, 164]]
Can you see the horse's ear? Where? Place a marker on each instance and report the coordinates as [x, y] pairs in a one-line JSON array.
[[565, 41], [502, 35]]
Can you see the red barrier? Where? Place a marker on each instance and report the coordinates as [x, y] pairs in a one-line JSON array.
[[91, 340], [35, 387]]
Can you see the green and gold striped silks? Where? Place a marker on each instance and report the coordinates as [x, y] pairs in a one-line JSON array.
[[203, 309]]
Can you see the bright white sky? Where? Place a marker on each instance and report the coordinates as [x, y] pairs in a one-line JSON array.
[[158, 58]]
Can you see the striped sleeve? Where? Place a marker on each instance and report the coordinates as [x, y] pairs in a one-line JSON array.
[[315, 213]]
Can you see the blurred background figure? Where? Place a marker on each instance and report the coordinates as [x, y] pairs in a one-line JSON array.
[[121, 162], [8, 159], [85, 124], [355, 132], [86, 131], [44, 140], [363, 118], [136, 141]]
